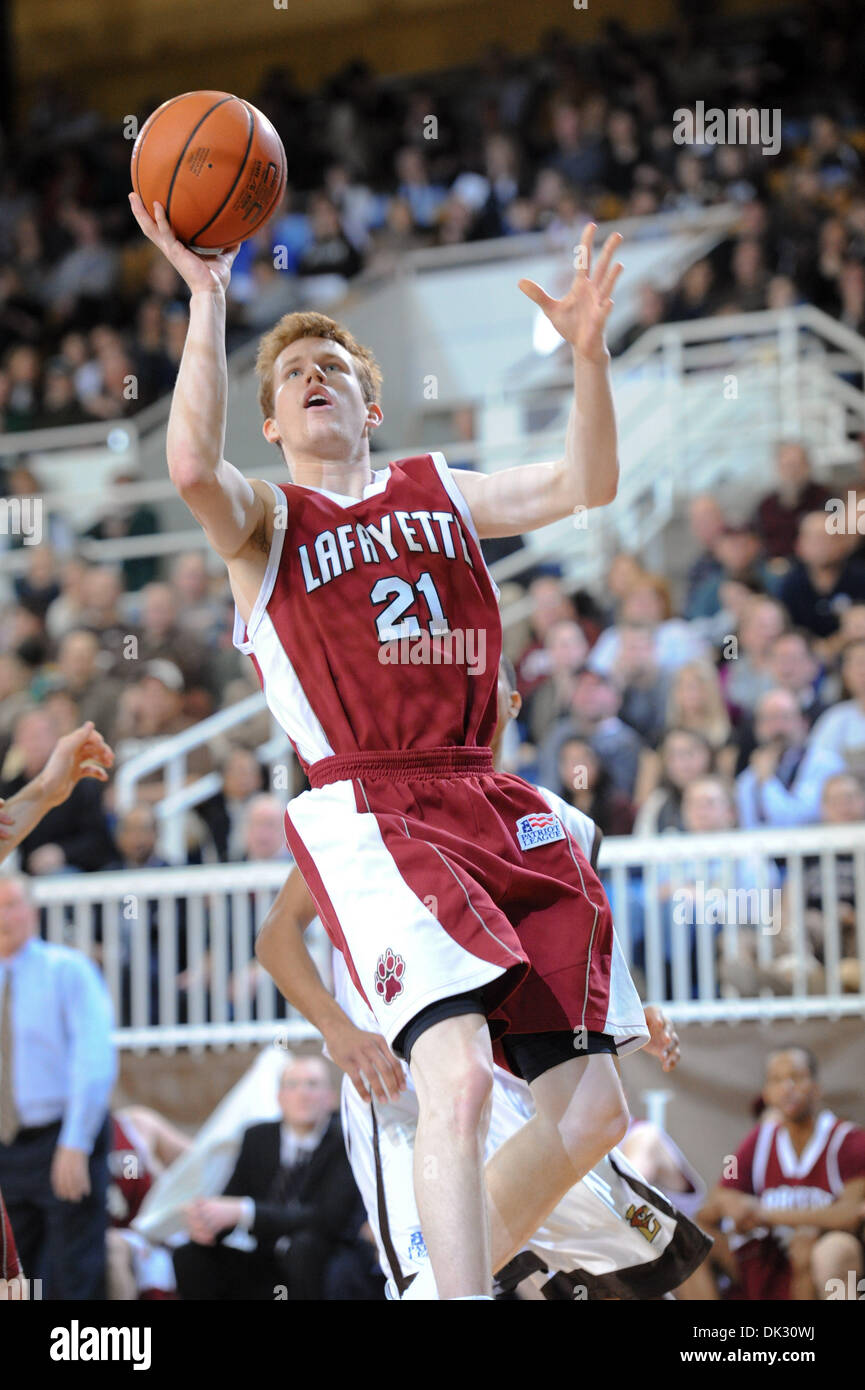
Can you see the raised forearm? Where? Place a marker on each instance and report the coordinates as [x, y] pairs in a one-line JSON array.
[[25, 810], [196, 425], [591, 464]]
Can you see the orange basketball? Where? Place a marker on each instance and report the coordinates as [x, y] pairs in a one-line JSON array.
[[216, 165]]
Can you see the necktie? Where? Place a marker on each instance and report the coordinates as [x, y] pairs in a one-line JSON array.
[[10, 1120], [288, 1180]]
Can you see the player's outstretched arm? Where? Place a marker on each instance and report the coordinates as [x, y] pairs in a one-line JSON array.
[[533, 495], [228, 506], [281, 949], [81, 753]]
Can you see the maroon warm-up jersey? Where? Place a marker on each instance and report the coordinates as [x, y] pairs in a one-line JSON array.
[[769, 1168], [130, 1178]]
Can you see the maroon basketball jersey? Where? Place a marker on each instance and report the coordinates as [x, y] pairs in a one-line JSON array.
[[362, 600], [129, 1178], [769, 1167]]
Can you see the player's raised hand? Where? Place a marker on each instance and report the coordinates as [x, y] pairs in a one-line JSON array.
[[367, 1060], [82, 753], [6, 820], [203, 274], [580, 317], [663, 1039]]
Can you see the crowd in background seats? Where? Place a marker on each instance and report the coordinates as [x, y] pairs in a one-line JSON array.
[[92, 322]]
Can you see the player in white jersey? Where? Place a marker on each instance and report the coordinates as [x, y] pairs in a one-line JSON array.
[[612, 1235]]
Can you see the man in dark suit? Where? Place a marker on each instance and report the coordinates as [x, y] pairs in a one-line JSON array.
[[291, 1209]]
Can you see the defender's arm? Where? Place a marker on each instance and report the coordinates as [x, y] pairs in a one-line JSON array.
[[281, 949]]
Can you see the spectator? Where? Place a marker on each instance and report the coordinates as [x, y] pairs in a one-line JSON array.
[[784, 780], [594, 718], [54, 1133], [121, 519], [135, 836], [199, 613], [823, 580], [398, 236], [577, 157], [695, 702], [264, 829], [67, 610], [737, 550], [38, 588], [23, 369], [71, 836], [641, 680], [15, 697], [80, 675], [329, 253], [706, 521], [648, 604], [414, 187], [225, 814], [841, 729], [60, 403], [86, 270], [551, 700], [794, 667], [684, 755], [292, 1191], [102, 592], [780, 512], [585, 782], [694, 297], [696, 893], [549, 605], [651, 310], [163, 636], [786, 1247], [746, 676]]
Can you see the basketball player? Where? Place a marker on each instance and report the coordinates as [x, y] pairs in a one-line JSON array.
[[456, 895], [143, 1145], [607, 1235], [81, 753], [795, 1193], [612, 1235]]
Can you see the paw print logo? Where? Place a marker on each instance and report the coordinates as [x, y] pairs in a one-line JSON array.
[[388, 975]]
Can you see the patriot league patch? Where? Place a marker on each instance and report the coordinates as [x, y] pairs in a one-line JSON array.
[[539, 829]]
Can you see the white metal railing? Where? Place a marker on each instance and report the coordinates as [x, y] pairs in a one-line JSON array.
[[177, 945], [169, 756]]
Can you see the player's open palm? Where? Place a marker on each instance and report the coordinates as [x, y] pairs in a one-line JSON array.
[[581, 315], [203, 274]]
